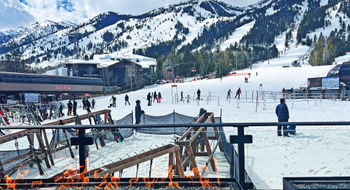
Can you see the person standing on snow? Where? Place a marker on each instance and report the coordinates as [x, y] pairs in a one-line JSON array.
[[155, 97], [127, 99], [60, 113], [93, 104], [114, 100], [198, 94], [84, 103], [188, 98], [159, 97], [283, 116], [70, 106], [228, 98], [75, 105], [138, 111], [88, 106], [149, 97], [238, 93]]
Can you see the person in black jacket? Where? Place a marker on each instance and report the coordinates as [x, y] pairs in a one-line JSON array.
[[75, 105], [283, 116], [149, 99], [155, 97], [138, 111], [127, 99], [198, 94], [70, 106], [88, 106]]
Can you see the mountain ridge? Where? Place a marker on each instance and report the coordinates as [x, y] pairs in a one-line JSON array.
[[194, 25]]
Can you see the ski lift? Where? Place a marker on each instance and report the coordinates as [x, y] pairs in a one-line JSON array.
[[194, 69]]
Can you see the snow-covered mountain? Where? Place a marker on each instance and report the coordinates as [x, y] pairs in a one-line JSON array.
[[198, 24]]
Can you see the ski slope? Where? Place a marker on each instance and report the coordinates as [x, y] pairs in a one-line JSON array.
[[314, 151]]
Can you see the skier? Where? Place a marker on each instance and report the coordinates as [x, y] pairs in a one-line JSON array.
[[155, 97], [127, 99], [75, 105], [60, 113], [84, 103], [159, 97], [138, 111], [51, 107], [114, 100], [182, 96], [149, 98], [88, 106], [256, 74], [238, 93], [70, 106], [228, 98], [198, 94], [283, 116], [93, 104], [188, 98], [245, 79]]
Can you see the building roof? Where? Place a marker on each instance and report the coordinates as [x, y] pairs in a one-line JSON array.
[[83, 62], [144, 62], [106, 60]]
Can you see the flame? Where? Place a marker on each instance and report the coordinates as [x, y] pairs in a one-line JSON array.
[[10, 182], [104, 181], [133, 180], [171, 183], [115, 181], [217, 171], [39, 182], [71, 178], [148, 182]]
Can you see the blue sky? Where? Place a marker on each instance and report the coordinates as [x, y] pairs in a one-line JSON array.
[[15, 13]]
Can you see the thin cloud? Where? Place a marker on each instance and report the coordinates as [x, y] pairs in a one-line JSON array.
[[16, 13]]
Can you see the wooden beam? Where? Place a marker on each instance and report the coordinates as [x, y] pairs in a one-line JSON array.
[[179, 167], [201, 154], [188, 132], [48, 147], [68, 143], [140, 158], [207, 146], [43, 150], [183, 143], [194, 137], [72, 119], [192, 160], [171, 168]]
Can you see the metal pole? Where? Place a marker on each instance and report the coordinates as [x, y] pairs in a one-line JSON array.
[[82, 154], [241, 157]]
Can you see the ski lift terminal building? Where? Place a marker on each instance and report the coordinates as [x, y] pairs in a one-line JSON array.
[[118, 72]]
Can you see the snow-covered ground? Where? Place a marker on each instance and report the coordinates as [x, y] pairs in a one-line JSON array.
[[314, 151]]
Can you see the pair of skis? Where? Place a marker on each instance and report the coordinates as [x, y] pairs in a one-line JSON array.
[[34, 154], [4, 118], [117, 136], [97, 133]]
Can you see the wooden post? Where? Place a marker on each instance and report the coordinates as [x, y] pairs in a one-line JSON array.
[[1, 170], [48, 147], [150, 168], [171, 164], [68, 143], [42, 147], [207, 146], [179, 167], [192, 160]]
